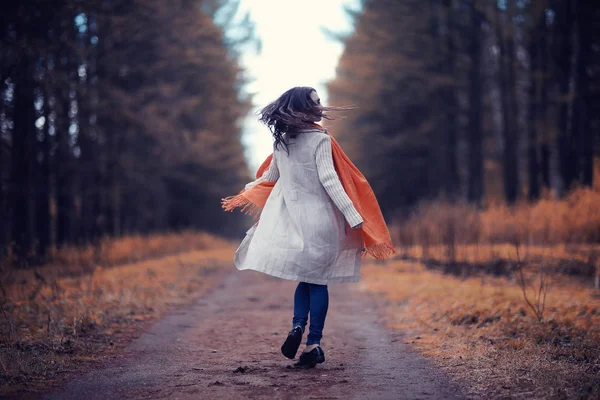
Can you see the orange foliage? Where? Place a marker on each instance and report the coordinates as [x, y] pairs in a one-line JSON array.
[[550, 221]]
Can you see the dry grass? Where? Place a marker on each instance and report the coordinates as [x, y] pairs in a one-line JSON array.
[[499, 259], [562, 233], [111, 251], [480, 331], [489, 322], [548, 222], [482, 253], [58, 318], [475, 321]]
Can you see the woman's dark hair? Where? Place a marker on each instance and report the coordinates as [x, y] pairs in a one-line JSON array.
[[292, 111]]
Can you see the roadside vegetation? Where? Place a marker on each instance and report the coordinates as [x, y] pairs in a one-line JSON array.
[[506, 300], [89, 303]]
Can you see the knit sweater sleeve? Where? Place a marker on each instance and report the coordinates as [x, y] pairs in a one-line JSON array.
[[271, 174], [331, 182]]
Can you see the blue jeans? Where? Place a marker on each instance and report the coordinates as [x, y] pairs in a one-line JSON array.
[[313, 298]]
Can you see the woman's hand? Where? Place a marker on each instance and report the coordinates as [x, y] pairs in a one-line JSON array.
[[358, 226]]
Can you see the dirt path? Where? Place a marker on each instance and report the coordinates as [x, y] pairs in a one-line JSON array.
[[194, 353]]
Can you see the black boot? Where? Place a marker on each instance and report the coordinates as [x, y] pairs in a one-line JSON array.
[[292, 342], [310, 359]]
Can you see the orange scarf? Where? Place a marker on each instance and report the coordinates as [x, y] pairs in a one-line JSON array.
[[375, 234]]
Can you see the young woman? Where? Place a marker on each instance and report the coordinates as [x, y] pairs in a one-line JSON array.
[[314, 203]]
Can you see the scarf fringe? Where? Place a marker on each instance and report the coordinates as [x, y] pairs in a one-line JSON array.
[[381, 251], [247, 207]]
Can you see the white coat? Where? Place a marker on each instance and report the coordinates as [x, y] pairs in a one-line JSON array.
[[304, 229]]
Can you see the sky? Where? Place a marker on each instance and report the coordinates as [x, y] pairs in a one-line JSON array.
[[295, 52]]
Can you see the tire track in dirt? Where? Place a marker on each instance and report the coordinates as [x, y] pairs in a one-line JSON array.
[[194, 353]]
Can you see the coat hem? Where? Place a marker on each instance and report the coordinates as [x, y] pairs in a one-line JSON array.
[[295, 277]]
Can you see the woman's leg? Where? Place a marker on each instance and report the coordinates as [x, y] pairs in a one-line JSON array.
[[319, 302], [301, 305]]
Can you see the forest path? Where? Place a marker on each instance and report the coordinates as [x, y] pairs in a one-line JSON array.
[[194, 353]]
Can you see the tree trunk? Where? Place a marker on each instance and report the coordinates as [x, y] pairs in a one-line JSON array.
[[63, 164], [23, 156], [114, 190], [545, 152], [451, 107], [65, 205], [475, 134], [108, 129], [534, 117], [566, 153], [44, 177], [436, 179], [586, 14], [4, 170], [506, 79]]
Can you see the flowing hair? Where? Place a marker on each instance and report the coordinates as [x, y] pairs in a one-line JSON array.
[[295, 110]]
